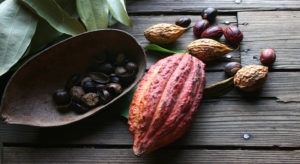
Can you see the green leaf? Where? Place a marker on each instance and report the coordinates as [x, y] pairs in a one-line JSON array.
[[94, 14], [43, 36], [125, 102], [57, 17], [17, 28], [118, 10], [154, 47], [69, 6]]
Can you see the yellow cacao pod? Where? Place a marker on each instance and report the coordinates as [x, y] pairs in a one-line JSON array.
[[207, 49], [251, 77], [163, 33]]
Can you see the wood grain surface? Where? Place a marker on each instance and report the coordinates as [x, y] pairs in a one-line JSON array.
[[219, 122], [278, 30], [196, 6], [15, 155]]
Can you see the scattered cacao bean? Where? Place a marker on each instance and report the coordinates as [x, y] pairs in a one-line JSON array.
[[214, 32], [210, 14], [183, 21], [200, 26], [267, 56], [232, 68], [233, 34]]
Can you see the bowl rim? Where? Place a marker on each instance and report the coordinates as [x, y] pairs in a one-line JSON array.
[[97, 109]]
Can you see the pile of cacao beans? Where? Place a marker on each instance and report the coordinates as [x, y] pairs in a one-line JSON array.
[[168, 96]]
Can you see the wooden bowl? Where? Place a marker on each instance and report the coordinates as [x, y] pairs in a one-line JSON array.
[[28, 99]]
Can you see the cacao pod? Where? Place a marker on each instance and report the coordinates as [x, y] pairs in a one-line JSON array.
[[165, 101], [214, 32], [163, 33], [199, 27], [233, 34], [251, 77], [207, 49]]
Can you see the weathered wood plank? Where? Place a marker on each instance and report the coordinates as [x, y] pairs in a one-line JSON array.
[[143, 22], [14, 155], [146, 6], [278, 30], [220, 122]]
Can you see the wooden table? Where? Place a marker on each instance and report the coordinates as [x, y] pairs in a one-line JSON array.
[[271, 116]]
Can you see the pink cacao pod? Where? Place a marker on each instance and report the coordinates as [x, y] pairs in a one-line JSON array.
[[214, 32], [165, 102], [200, 26], [233, 34]]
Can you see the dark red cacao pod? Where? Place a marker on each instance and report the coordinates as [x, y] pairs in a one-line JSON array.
[[214, 32], [199, 27], [165, 102], [233, 34]]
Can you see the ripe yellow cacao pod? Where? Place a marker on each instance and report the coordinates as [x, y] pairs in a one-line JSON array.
[[165, 101], [163, 33], [207, 49]]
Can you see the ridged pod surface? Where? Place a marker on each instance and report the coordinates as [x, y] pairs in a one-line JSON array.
[[251, 77], [165, 101], [163, 33], [207, 49]]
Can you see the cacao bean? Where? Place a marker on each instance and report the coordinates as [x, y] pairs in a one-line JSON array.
[[214, 32], [199, 27], [210, 14], [183, 21], [233, 34], [207, 49], [163, 33], [267, 56], [165, 101]]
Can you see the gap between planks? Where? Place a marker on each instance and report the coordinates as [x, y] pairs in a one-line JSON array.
[[89, 155]]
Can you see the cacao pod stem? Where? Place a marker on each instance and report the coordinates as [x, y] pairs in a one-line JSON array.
[[219, 88]]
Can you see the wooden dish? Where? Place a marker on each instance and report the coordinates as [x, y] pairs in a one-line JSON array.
[[28, 99]]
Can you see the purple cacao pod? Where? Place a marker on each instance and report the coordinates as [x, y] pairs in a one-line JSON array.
[[214, 32], [233, 34], [200, 26]]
